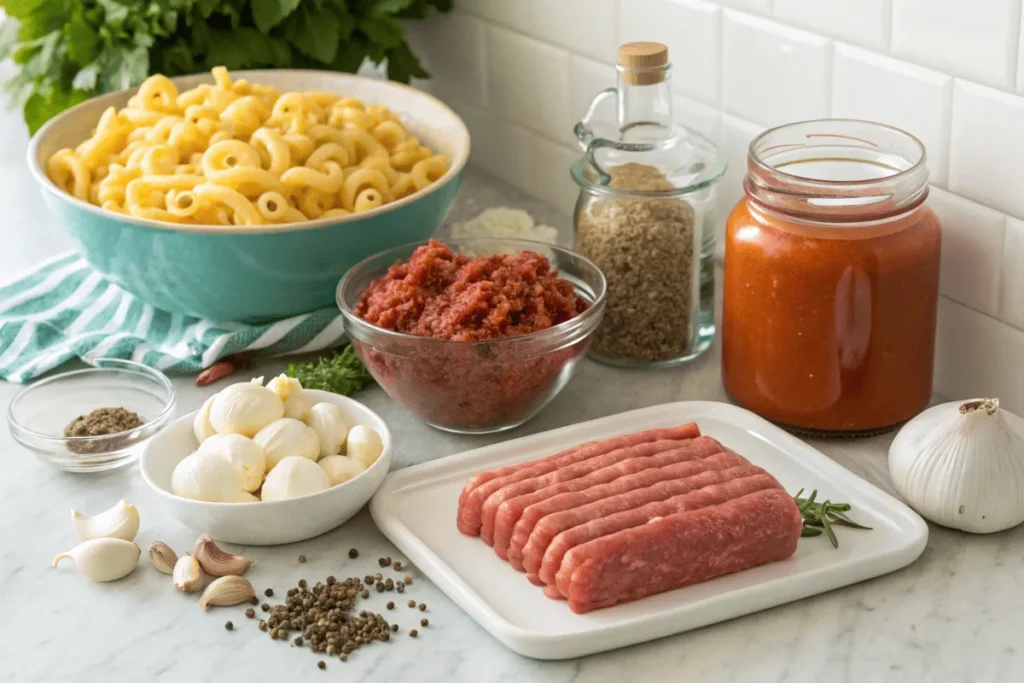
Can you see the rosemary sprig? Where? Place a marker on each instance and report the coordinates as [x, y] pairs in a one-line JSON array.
[[819, 518]]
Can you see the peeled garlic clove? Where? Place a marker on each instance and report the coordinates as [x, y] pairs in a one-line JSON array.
[[201, 426], [244, 454], [207, 477], [331, 426], [187, 575], [287, 437], [296, 402], [245, 408], [226, 591], [961, 465], [341, 468], [294, 477], [120, 521], [218, 562], [364, 444], [103, 559], [162, 557]]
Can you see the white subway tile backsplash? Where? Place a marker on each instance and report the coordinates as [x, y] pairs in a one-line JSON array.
[[587, 27], [735, 141], [1011, 302], [870, 86], [773, 74], [586, 79], [762, 6], [986, 161], [976, 39], [499, 146], [529, 82], [700, 117], [453, 49], [551, 174], [690, 29], [864, 22], [976, 355], [516, 14], [972, 247]]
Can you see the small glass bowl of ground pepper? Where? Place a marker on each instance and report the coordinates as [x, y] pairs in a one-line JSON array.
[[94, 419], [472, 335]]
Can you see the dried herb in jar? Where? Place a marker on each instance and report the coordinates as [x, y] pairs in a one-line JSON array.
[[645, 248], [100, 422]]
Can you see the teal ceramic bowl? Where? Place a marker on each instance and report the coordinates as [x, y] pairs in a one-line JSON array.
[[253, 273]]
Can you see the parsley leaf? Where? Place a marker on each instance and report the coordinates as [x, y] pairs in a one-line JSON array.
[[342, 373]]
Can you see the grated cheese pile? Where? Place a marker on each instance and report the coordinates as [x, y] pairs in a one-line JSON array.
[[506, 223]]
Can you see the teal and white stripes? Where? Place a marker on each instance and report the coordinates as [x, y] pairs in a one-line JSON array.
[[63, 309]]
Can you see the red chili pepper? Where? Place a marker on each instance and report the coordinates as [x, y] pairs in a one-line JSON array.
[[222, 369]]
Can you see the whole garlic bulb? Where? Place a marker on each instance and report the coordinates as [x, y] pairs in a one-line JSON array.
[[201, 426], [331, 426], [245, 408], [961, 465], [296, 402], [363, 444], [341, 468], [287, 437], [245, 455], [208, 477], [293, 477]]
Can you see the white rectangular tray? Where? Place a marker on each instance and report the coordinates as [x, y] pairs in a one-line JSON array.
[[415, 508]]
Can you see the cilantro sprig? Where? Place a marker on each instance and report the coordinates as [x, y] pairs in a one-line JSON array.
[[67, 51]]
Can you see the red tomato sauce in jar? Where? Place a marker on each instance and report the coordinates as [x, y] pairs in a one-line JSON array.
[[831, 281], [484, 383]]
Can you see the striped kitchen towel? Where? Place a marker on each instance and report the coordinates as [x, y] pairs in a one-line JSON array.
[[64, 309]]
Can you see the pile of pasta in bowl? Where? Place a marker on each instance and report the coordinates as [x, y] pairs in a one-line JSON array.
[[241, 153]]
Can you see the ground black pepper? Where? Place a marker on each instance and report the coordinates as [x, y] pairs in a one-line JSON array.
[[101, 422]]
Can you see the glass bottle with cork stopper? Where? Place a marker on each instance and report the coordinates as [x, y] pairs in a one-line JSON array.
[[646, 216]]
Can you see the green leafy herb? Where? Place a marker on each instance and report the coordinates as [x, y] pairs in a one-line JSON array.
[[342, 373], [67, 51], [819, 517]]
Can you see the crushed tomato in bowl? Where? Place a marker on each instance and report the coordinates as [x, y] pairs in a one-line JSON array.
[[442, 294]]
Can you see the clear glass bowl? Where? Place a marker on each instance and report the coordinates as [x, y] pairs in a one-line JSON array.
[[474, 387], [37, 416]]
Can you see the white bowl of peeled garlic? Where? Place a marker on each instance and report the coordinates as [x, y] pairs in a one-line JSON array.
[[266, 465]]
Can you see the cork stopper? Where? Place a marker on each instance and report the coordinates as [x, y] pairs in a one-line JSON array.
[[643, 62]]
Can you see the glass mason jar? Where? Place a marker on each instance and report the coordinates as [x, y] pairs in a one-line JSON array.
[[646, 216], [832, 279]]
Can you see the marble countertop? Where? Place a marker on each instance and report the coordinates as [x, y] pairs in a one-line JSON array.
[[957, 614]]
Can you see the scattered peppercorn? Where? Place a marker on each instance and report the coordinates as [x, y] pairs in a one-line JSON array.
[[353, 553], [424, 622], [273, 634], [412, 603], [302, 584], [390, 605], [254, 600], [229, 626], [380, 586], [302, 558], [364, 594], [251, 613], [265, 607], [269, 592], [423, 607], [413, 633], [394, 628], [408, 580], [400, 588], [382, 561], [397, 566], [321, 664], [367, 579], [331, 581], [344, 657], [263, 625], [298, 641]]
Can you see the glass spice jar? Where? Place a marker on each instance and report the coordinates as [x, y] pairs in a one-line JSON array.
[[831, 279], [646, 216]]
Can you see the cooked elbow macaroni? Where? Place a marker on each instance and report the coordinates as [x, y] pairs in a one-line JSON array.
[[237, 153]]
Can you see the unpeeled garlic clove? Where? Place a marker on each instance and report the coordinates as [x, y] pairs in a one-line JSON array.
[[120, 521], [103, 559], [162, 557], [226, 591], [218, 562], [187, 575]]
